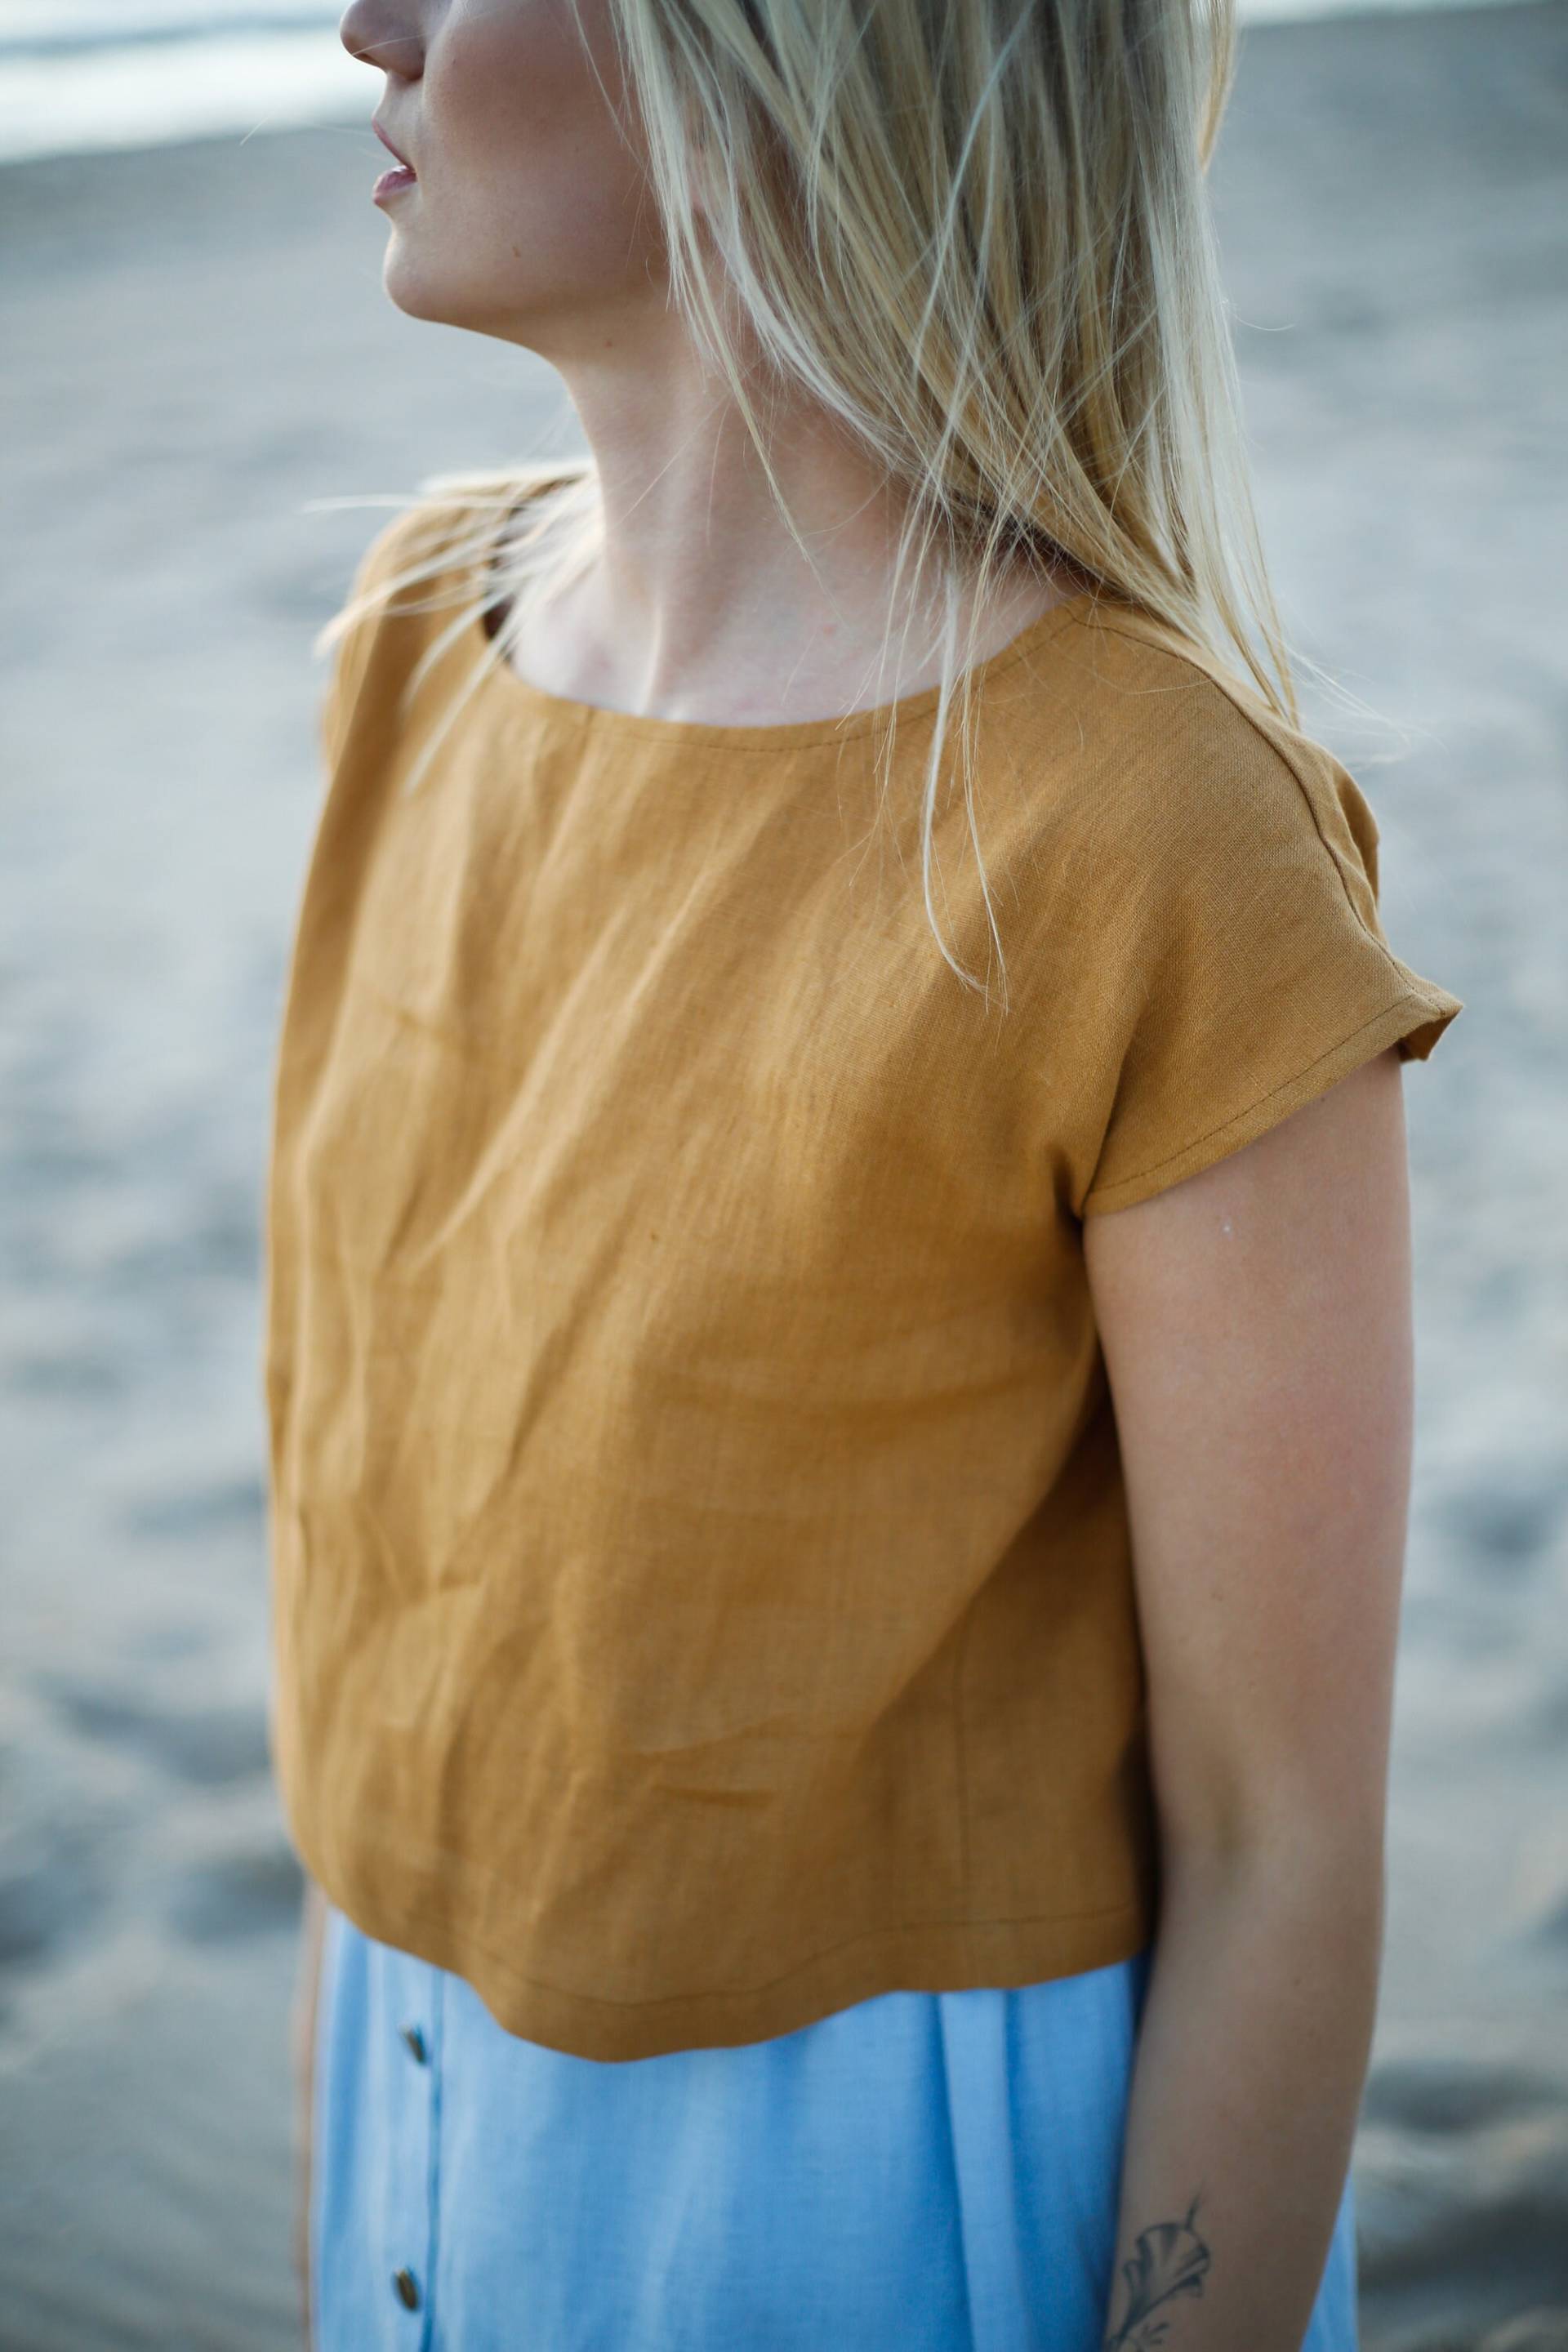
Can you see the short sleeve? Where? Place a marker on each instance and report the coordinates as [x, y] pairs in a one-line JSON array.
[[1252, 970]]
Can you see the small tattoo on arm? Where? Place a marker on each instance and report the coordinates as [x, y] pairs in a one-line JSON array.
[[1170, 2260]]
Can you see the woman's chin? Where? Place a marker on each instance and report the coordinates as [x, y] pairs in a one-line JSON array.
[[409, 287]]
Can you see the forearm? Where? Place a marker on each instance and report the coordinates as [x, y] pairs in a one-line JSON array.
[[303, 2034], [1252, 2054]]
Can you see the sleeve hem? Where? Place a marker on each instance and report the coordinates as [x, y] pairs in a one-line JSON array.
[[1413, 1022]]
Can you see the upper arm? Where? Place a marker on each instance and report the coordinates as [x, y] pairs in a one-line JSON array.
[[1255, 1326]]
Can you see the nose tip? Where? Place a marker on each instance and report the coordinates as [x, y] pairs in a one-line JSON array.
[[371, 40]]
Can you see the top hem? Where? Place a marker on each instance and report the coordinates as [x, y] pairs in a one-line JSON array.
[[947, 1956]]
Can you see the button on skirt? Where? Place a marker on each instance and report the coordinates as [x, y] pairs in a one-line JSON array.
[[922, 2172]]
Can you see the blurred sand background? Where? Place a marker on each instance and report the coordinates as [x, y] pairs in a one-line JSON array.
[[198, 345]]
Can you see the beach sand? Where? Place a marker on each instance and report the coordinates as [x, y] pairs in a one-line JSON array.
[[199, 345]]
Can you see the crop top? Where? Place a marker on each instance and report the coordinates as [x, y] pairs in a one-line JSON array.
[[701, 1587]]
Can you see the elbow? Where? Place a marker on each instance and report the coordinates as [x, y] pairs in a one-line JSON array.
[[1308, 1861], [1302, 1838]]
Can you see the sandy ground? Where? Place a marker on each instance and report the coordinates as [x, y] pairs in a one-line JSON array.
[[199, 345]]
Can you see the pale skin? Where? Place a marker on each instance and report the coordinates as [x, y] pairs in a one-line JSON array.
[[1256, 1320], [1256, 1326]]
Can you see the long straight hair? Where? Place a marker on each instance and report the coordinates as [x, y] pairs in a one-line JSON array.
[[978, 233]]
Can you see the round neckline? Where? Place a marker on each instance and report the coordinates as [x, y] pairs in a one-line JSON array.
[[787, 734]]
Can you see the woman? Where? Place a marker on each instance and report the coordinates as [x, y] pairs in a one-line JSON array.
[[840, 1422]]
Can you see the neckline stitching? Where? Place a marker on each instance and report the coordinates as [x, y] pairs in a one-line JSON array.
[[768, 735]]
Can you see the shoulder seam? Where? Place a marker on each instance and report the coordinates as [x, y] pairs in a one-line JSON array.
[[1215, 679]]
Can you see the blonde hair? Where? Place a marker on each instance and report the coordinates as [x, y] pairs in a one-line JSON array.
[[979, 235]]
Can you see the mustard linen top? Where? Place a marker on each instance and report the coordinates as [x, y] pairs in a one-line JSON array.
[[703, 1595]]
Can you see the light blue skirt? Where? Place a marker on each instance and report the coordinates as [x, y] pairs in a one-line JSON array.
[[922, 2172]]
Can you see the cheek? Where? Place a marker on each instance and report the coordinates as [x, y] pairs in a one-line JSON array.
[[525, 146]]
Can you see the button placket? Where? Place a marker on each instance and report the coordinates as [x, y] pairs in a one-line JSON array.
[[414, 2087]]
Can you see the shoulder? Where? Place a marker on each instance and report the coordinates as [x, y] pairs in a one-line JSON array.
[[454, 520], [373, 639], [419, 584], [423, 535], [1186, 774]]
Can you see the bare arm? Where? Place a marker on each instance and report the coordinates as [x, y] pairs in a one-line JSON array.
[[1255, 1322], [302, 2036]]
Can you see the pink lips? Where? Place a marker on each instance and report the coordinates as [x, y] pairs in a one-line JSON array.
[[389, 182], [390, 147]]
